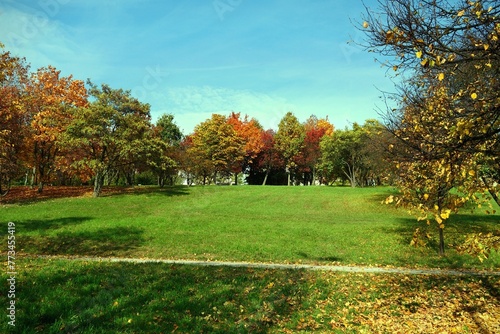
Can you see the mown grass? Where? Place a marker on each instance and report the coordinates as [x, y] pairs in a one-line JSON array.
[[265, 224], [63, 296]]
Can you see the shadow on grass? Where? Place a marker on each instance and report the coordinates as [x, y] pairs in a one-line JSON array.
[[101, 297], [116, 241], [385, 192], [169, 191], [22, 195], [49, 224], [458, 288], [306, 256], [456, 229]]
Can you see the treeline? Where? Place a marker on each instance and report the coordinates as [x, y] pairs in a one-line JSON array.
[[308, 153], [59, 130]]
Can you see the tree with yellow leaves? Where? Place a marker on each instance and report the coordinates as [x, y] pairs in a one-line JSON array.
[[448, 119]]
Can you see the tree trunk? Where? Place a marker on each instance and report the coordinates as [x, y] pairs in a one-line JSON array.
[[161, 181], [491, 191], [494, 196], [40, 187], [235, 179], [441, 241], [265, 177], [98, 184], [33, 177]]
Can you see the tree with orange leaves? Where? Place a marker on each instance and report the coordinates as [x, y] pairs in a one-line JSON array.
[[13, 120], [250, 131], [52, 100]]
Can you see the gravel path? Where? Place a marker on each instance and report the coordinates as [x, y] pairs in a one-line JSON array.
[[339, 268]]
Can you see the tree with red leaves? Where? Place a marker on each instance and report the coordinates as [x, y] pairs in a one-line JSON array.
[[308, 158]]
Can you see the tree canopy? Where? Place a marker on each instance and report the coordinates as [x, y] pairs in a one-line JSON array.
[[448, 117]]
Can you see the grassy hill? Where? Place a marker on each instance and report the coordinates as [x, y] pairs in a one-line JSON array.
[[275, 224], [247, 223]]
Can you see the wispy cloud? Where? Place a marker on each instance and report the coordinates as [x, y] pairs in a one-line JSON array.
[[262, 59], [192, 104]]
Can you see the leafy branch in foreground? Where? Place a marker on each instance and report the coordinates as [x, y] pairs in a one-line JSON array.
[[447, 123]]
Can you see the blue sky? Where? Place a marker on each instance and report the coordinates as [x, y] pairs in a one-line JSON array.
[[193, 58]]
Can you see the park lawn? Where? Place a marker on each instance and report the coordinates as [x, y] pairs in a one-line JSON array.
[[71, 296], [321, 225]]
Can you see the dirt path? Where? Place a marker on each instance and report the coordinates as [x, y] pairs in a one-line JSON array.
[[339, 268]]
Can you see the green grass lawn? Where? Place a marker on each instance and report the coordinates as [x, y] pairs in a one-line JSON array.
[[61, 296], [320, 225]]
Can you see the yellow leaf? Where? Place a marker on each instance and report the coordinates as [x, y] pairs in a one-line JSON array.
[[440, 76], [445, 214], [395, 67], [472, 172], [365, 25], [461, 13], [486, 46], [426, 196], [439, 220], [473, 96], [419, 54]]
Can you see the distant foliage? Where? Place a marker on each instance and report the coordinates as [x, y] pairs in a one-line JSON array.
[[70, 133]]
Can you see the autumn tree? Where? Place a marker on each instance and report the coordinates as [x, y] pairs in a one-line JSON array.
[[217, 147], [14, 121], [268, 166], [250, 132], [308, 158], [289, 141], [52, 101], [113, 129], [448, 119]]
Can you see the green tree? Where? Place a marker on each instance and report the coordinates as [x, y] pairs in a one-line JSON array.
[[165, 154], [289, 140], [344, 154], [113, 129], [168, 130]]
